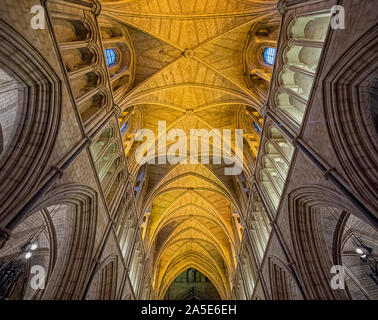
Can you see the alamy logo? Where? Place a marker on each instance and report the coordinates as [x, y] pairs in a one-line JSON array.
[[38, 277], [155, 147], [38, 20], [338, 18], [338, 280]]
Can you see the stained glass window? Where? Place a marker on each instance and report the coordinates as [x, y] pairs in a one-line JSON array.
[[257, 127], [124, 128], [110, 57], [269, 55]]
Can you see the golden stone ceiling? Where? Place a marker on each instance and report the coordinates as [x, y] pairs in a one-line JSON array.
[[189, 71]]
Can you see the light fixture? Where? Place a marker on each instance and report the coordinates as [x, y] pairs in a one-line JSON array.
[[359, 251], [11, 271], [366, 256]]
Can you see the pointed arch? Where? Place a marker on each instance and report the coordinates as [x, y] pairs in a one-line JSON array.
[[70, 275], [313, 262], [283, 286], [37, 123], [350, 115], [104, 283]]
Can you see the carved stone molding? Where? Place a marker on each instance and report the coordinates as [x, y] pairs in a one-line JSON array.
[[282, 7], [4, 236]]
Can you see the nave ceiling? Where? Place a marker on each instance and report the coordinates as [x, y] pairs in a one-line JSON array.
[[189, 70]]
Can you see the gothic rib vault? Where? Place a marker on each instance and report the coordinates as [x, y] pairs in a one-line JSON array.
[[99, 225], [190, 72]]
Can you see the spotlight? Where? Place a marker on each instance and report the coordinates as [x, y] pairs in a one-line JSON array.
[[359, 251], [33, 246], [28, 255]]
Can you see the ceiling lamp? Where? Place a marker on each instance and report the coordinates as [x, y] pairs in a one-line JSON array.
[[28, 255]]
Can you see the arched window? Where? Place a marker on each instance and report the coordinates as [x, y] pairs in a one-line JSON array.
[[269, 55], [300, 62], [110, 57], [257, 127], [124, 128], [139, 181]]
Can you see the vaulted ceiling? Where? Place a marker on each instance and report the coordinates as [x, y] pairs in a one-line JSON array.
[[190, 72]]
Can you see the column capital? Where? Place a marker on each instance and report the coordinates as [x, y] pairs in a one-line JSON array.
[[290, 263], [4, 236], [282, 7], [273, 223], [264, 110], [96, 9], [117, 110]]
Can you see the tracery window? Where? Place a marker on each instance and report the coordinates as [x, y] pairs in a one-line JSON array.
[[269, 55], [106, 152], [274, 165], [301, 58], [110, 57], [260, 56]]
